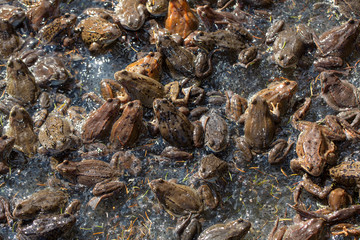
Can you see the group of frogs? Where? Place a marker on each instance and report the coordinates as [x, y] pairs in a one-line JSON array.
[[135, 105]]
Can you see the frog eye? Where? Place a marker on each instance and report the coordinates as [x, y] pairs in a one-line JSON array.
[[161, 180], [19, 206], [13, 114], [287, 83], [109, 100], [11, 64], [131, 104], [254, 102], [66, 162], [351, 21]]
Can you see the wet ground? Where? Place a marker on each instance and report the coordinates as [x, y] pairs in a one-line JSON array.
[[255, 191]]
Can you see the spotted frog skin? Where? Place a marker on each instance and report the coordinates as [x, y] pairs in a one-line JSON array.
[[98, 33]]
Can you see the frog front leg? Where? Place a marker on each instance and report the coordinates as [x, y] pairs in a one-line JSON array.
[[189, 228], [339, 129], [351, 116], [105, 189]]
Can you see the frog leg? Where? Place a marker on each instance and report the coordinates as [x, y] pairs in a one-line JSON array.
[[280, 148], [352, 115], [244, 147], [206, 73], [300, 113], [340, 129], [181, 227], [310, 187]]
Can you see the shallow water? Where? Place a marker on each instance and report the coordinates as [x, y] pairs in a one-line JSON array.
[[256, 191]]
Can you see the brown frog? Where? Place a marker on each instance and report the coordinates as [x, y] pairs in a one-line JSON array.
[[340, 95], [5, 213], [41, 202], [181, 61], [60, 25], [290, 45], [131, 14], [50, 71], [39, 13], [6, 146], [259, 128], [52, 227], [174, 126], [56, 135], [98, 33], [180, 18], [176, 199], [336, 44], [20, 82], [235, 105], [21, 127], [98, 174], [216, 131], [212, 167], [127, 129], [10, 40], [157, 7], [315, 147], [12, 14], [110, 88], [98, 125], [346, 173], [300, 229], [236, 229]]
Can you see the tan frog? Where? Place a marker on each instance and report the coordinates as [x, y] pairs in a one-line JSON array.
[[131, 14], [12, 14], [216, 131], [150, 65], [10, 41], [21, 127], [157, 7], [98, 33], [236, 229], [100, 175], [176, 199], [347, 173], [43, 201], [20, 82]]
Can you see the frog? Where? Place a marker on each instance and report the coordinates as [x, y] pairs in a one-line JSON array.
[[235, 105], [216, 131], [127, 129], [20, 82], [179, 11], [259, 128], [236, 229], [12, 14], [349, 8], [41, 202], [11, 41], [60, 25], [53, 225], [345, 173], [110, 88], [174, 126], [175, 153], [94, 173], [21, 127], [181, 61], [177, 199], [150, 65], [6, 146], [335, 45], [212, 167], [300, 229], [44, 10], [279, 94], [51, 72], [315, 147], [192, 229], [98, 33], [98, 125], [248, 56], [157, 8], [340, 95], [290, 44], [131, 14], [57, 134]]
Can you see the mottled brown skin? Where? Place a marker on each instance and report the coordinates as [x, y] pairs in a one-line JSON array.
[[43, 201], [157, 7], [98, 33], [10, 41], [40, 13], [131, 14], [236, 229], [340, 95], [98, 125], [60, 25], [177, 199], [127, 129], [336, 44], [347, 173], [22, 129], [12, 14], [174, 126], [20, 82], [6, 146], [216, 131], [212, 167], [140, 87], [87, 172]]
